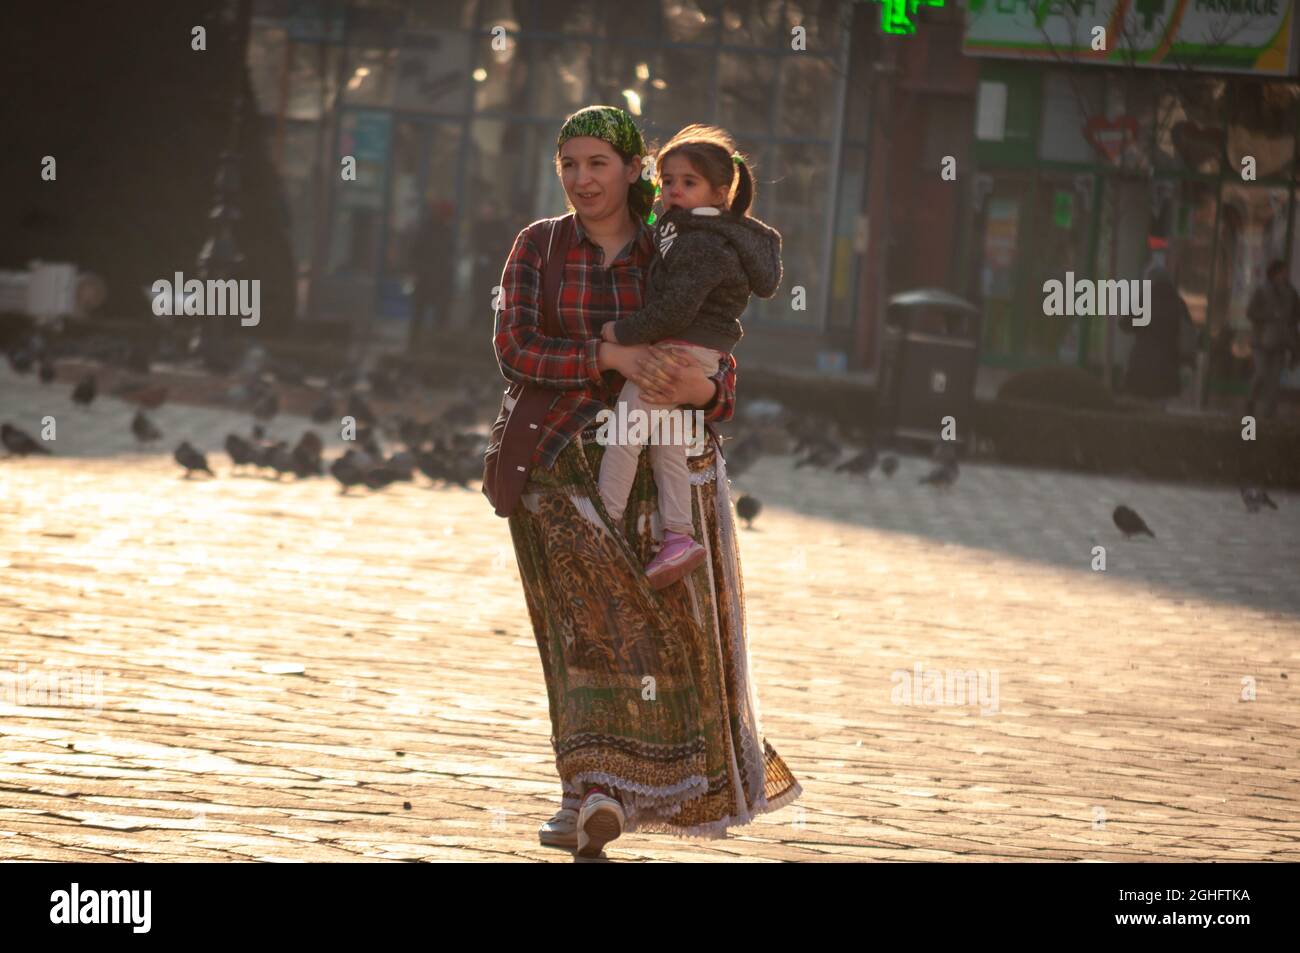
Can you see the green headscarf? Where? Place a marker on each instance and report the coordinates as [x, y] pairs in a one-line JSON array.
[[618, 129]]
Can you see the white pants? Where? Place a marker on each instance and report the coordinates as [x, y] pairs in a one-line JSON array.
[[618, 466]]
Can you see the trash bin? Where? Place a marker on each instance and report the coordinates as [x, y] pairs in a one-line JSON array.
[[929, 357]]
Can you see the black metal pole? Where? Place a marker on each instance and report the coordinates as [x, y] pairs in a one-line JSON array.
[[220, 257]]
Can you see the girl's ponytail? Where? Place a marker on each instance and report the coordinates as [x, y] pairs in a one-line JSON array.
[[744, 188]]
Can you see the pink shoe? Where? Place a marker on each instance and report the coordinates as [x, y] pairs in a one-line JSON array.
[[679, 555]]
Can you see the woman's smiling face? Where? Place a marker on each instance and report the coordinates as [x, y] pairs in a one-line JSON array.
[[595, 178]]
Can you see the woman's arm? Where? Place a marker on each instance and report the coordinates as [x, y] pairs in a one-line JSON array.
[[667, 378], [524, 353]]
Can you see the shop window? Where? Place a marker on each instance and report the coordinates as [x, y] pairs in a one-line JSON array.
[[435, 16], [681, 84], [691, 21], [847, 248], [1189, 122], [623, 77], [313, 80], [753, 23], [266, 63], [563, 77], [1252, 232], [434, 77], [1184, 222], [745, 87], [354, 240], [369, 77], [798, 210], [501, 75], [568, 16], [1262, 127], [823, 20], [514, 15], [1070, 100], [807, 97]]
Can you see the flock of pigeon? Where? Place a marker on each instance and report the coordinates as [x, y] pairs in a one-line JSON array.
[[438, 448], [448, 450], [813, 446]]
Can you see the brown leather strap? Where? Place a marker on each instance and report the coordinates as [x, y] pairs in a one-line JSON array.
[[523, 428]]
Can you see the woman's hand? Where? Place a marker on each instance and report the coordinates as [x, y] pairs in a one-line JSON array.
[[666, 376]]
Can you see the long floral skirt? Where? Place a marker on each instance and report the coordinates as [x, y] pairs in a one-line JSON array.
[[650, 690]]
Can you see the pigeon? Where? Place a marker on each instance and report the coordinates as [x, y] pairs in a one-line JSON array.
[[821, 455], [888, 465], [21, 360], [748, 507], [359, 410], [306, 463], [266, 406], [742, 456], [381, 476], [280, 459], [859, 463], [143, 428], [240, 451], [347, 471], [1129, 523], [403, 463], [84, 392], [1254, 497], [944, 475], [18, 443], [323, 412], [191, 459]]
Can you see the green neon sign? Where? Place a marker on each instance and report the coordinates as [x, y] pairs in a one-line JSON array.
[[899, 16]]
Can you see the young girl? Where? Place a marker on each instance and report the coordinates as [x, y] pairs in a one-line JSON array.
[[711, 256]]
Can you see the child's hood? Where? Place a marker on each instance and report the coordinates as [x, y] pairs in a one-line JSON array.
[[757, 244]]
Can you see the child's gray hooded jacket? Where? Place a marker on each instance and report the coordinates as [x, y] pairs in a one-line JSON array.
[[709, 263]]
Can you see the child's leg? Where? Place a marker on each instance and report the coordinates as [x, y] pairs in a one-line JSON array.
[[618, 465], [672, 475]]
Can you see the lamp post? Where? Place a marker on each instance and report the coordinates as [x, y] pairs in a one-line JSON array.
[[220, 257]]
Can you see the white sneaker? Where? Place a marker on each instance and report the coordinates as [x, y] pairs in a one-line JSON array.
[[561, 830], [599, 822]]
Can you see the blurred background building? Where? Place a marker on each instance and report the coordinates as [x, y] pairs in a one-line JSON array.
[[1066, 158], [434, 112]]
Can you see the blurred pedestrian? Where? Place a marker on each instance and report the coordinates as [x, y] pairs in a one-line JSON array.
[[1153, 363], [431, 266], [1273, 313]]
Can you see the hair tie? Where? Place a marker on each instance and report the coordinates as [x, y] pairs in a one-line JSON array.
[[736, 158]]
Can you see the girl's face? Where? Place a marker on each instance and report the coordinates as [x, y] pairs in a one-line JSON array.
[[682, 187], [595, 178]]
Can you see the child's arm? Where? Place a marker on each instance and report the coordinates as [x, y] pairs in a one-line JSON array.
[[695, 272]]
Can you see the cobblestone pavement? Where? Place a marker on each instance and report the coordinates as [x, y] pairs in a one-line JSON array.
[[1116, 720]]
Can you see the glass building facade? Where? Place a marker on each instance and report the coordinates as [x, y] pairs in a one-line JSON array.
[[461, 101], [1049, 201]]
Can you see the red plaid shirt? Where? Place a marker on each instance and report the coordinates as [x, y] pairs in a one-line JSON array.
[[590, 295]]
